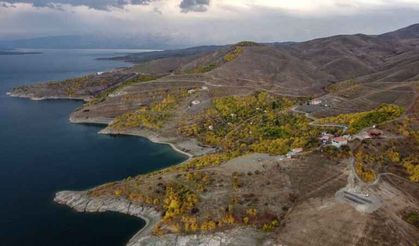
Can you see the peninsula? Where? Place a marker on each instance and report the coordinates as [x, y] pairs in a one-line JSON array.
[[310, 143]]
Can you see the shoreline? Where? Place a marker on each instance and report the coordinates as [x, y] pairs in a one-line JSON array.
[[187, 146], [34, 98], [81, 202], [191, 146], [153, 139]]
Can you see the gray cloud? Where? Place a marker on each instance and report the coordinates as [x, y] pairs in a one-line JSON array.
[[6, 5], [261, 24], [94, 4], [194, 5]]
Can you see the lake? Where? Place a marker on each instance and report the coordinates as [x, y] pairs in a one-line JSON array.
[[42, 153]]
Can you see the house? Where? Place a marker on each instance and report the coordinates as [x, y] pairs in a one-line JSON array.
[[315, 102], [339, 142], [99, 73], [325, 137], [204, 88], [294, 152], [191, 91], [297, 150]]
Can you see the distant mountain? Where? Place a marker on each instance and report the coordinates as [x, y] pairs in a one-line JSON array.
[[300, 68], [89, 42], [410, 32], [14, 52], [294, 68], [149, 56]]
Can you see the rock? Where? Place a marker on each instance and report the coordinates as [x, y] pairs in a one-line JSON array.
[[239, 237], [82, 202]]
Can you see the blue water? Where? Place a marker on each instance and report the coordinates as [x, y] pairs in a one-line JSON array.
[[42, 153]]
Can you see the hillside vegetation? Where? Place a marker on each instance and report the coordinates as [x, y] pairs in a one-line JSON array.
[[361, 120]]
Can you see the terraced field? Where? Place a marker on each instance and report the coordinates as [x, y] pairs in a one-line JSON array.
[[363, 97]]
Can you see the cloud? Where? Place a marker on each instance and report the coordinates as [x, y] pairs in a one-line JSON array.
[[6, 5], [194, 5], [208, 22], [94, 4]]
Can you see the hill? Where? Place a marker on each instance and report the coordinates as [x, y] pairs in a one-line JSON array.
[[269, 165], [304, 68]]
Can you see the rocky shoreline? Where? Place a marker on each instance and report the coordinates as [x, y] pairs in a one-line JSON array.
[[82, 202], [189, 147]]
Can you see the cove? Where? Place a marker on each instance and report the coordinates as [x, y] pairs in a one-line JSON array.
[[41, 153]]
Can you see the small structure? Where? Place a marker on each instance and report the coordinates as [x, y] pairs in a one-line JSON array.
[[325, 137], [211, 127], [297, 150], [204, 88], [99, 73], [315, 102], [365, 135], [294, 152], [191, 91], [375, 133], [196, 102], [339, 142]]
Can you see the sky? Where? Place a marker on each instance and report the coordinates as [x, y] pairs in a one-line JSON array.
[[198, 22]]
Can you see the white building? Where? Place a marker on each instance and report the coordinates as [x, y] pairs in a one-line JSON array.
[[315, 102]]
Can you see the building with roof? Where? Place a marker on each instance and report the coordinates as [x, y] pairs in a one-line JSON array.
[[326, 137], [339, 141], [294, 152]]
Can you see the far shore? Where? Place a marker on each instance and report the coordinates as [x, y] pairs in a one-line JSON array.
[[34, 98]]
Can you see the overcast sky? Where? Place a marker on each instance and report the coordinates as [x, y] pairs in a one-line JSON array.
[[195, 22]]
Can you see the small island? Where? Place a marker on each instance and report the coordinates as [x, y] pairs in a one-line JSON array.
[[286, 144]]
